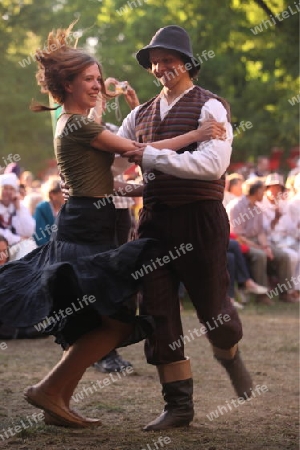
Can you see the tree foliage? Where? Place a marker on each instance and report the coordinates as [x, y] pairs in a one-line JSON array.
[[257, 73]]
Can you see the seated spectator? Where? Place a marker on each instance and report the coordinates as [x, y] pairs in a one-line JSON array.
[[239, 273], [294, 212], [4, 250], [246, 221], [46, 211], [294, 205], [16, 223], [233, 187], [32, 200], [293, 172], [278, 223]]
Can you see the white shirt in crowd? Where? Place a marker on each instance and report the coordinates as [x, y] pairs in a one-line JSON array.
[[228, 197], [22, 222], [283, 232]]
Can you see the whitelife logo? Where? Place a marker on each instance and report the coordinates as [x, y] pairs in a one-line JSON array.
[[146, 268], [200, 332], [63, 313], [270, 23], [223, 409]]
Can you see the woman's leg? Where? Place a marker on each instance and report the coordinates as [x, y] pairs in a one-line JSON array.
[[60, 383]]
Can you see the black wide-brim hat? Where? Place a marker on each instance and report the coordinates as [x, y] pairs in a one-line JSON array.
[[171, 37]]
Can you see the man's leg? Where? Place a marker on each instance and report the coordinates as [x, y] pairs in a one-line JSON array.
[[165, 349], [282, 265], [204, 273], [242, 273], [294, 260], [176, 228], [258, 265]]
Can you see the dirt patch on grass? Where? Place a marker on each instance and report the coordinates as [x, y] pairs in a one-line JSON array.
[[268, 421]]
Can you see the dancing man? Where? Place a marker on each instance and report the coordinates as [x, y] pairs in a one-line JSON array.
[[183, 205]]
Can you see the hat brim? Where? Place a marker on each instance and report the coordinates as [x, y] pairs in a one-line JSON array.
[[275, 184], [143, 55]]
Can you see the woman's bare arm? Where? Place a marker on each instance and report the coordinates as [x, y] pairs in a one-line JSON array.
[[110, 142], [210, 129]]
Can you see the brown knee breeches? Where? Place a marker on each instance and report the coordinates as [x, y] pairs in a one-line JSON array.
[[194, 240]]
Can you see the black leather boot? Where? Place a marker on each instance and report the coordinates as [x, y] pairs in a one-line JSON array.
[[239, 375], [177, 390], [179, 408]]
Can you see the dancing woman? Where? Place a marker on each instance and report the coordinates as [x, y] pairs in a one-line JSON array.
[[79, 281]]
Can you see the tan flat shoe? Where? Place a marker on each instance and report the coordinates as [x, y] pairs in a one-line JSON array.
[[60, 414], [51, 420]]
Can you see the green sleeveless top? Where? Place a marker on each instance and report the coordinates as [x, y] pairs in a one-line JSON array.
[[86, 170]]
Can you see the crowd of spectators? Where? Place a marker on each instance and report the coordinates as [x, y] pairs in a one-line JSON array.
[[263, 212]]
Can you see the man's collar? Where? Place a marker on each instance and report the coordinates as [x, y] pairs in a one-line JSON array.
[[162, 94]]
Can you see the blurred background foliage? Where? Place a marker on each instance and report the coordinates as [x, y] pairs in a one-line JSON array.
[[257, 73]]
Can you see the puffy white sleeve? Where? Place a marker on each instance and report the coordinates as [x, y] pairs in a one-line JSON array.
[[126, 130]]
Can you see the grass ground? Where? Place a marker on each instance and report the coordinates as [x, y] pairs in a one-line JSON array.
[[268, 421]]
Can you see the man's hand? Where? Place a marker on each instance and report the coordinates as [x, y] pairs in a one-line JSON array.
[[135, 156]]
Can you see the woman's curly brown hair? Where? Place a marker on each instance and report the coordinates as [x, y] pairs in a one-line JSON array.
[[58, 64]]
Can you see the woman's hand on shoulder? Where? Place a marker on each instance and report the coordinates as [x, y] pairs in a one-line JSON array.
[[210, 129]]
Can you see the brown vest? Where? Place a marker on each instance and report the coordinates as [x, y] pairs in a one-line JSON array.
[[183, 117]]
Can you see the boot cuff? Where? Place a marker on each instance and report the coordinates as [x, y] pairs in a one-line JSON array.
[[176, 371]]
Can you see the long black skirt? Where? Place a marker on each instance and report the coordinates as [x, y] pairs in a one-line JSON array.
[[64, 287]]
